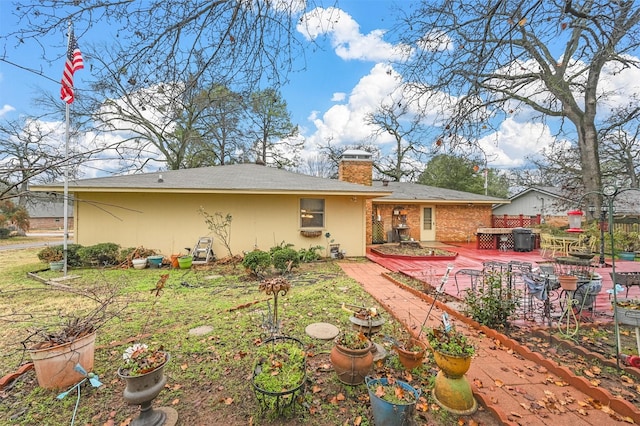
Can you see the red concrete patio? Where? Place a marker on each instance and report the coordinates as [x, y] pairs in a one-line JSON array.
[[517, 386], [470, 257]]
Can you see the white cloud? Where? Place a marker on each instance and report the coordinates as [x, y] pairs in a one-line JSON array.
[[338, 97], [344, 123], [6, 109], [513, 141], [346, 38]]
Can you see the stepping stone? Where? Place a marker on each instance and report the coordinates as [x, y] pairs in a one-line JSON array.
[[322, 331], [201, 331]]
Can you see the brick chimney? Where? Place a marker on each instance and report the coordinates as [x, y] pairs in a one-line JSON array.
[[356, 166]]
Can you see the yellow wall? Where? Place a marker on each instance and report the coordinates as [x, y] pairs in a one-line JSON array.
[[171, 222]]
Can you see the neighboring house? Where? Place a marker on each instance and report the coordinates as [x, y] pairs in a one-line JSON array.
[[46, 212], [547, 201], [550, 203], [269, 206]]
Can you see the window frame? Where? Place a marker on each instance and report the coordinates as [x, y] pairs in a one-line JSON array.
[[310, 211]]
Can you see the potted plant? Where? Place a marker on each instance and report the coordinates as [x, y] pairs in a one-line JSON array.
[[627, 243], [351, 357], [143, 372], [279, 374], [452, 352], [410, 353], [54, 256], [58, 342], [392, 401]]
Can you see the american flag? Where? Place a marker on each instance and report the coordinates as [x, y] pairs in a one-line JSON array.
[[73, 63]]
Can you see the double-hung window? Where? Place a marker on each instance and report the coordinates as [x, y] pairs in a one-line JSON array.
[[311, 213]]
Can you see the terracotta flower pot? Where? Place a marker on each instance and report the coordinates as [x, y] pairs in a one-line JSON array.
[[568, 282], [55, 365], [411, 359], [351, 365]]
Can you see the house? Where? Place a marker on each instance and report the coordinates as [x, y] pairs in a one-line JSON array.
[[552, 205], [546, 201], [269, 206], [46, 212]]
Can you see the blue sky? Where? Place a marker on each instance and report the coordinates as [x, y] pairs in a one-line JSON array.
[[345, 78]]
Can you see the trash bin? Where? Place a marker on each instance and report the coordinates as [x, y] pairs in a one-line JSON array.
[[522, 239]]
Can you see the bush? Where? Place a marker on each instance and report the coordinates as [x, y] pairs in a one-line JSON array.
[[4, 233], [285, 259], [309, 255], [494, 302], [257, 262], [56, 253], [103, 254]]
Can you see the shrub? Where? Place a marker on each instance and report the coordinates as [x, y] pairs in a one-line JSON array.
[[257, 261], [4, 233], [56, 253], [309, 255], [285, 259], [280, 246], [102, 254], [494, 302]]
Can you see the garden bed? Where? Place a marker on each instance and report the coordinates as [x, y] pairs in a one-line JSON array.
[[414, 251]]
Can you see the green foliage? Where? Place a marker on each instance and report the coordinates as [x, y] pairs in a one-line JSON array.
[[493, 302], [280, 366], [280, 246], [4, 233], [56, 253], [463, 174], [309, 255], [353, 340], [451, 343], [284, 260], [102, 254], [257, 261]]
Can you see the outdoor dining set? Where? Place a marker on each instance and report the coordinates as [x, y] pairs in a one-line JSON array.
[[537, 288]]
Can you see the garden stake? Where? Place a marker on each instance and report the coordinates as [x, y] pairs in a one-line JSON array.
[[443, 281]]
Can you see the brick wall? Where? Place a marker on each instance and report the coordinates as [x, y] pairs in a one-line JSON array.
[[49, 223], [458, 223], [356, 171]]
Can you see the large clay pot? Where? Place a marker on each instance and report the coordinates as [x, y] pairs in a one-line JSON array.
[[142, 390], [351, 365], [55, 365], [411, 359]]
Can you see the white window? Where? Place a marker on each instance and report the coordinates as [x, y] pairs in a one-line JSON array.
[[312, 213]]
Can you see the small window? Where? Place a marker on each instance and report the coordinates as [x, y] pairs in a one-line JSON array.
[[312, 213]]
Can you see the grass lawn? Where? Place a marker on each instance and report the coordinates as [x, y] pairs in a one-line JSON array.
[[209, 375]]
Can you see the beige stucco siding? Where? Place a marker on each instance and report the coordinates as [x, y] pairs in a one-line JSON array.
[[171, 222]]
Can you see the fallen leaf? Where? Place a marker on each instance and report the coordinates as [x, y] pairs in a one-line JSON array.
[[228, 401], [340, 397], [175, 401], [357, 421], [499, 383]]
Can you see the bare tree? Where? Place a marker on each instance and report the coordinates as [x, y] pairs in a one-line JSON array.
[[147, 83], [408, 133], [499, 57], [30, 151]]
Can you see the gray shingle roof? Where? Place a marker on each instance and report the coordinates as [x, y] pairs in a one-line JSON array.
[[231, 178], [404, 191]]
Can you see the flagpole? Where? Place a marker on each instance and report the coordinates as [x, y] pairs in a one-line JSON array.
[[65, 197]]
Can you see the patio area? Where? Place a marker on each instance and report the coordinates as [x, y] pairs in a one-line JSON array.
[[542, 301]]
